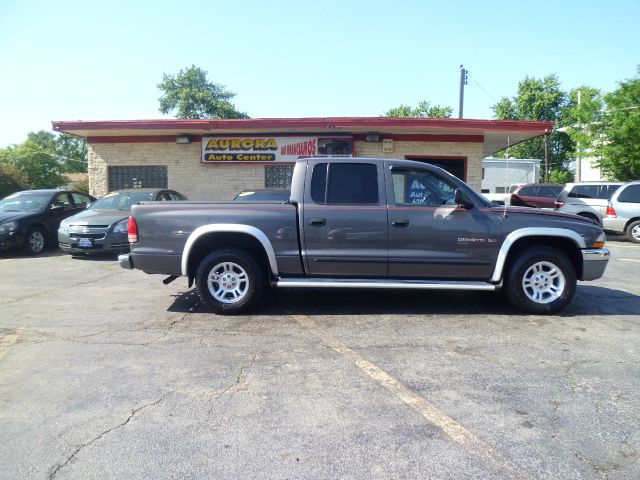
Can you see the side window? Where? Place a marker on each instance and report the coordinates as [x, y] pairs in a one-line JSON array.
[[584, 191], [548, 192], [62, 199], [631, 194], [176, 196], [610, 190], [420, 187], [528, 191], [344, 183], [80, 200]]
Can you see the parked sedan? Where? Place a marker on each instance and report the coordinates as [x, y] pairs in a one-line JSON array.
[[103, 226], [30, 219]]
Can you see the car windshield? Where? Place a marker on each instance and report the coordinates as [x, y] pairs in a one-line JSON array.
[[25, 202], [121, 200]]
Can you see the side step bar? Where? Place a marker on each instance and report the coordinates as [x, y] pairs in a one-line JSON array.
[[383, 283]]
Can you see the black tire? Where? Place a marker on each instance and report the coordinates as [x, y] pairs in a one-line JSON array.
[[36, 241], [550, 276], [226, 282], [633, 231], [591, 217]]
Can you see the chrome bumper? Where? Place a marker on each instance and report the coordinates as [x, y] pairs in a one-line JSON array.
[[594, 262], [125, 261]]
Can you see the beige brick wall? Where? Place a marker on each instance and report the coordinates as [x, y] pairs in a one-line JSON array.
[[222, 182]]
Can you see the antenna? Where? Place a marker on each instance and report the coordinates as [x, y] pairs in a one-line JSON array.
[[506, 180]]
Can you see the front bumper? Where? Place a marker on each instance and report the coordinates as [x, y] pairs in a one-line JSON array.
[[594, 262], [10, 240], [106, 242]]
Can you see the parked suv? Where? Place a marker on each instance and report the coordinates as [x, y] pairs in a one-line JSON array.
[[539, 195], [589, 199], [623, 212]]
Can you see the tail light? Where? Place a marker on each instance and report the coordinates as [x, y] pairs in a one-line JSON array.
[[559, 204], [611, 212], [132, 230]]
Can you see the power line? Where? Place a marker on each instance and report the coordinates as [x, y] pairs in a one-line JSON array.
[[485, 92]]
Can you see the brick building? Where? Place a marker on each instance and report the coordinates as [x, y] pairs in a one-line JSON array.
[[216, 159]]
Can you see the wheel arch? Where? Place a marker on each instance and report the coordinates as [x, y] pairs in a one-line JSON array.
[[630, 221], [565, 240], [207, 238]]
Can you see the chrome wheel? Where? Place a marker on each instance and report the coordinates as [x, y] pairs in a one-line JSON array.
[[36, 241], [228, 282], [543, 282], [635, 232]]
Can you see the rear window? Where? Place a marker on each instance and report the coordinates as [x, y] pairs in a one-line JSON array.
[[631, 194], [344, 183]]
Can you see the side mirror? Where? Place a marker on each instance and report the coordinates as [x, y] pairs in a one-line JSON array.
[[462, 199], [88, 205], [57, 208]]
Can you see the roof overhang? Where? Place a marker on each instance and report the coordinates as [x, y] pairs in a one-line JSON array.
[[496, 134]]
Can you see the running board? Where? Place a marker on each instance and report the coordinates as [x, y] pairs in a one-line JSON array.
[[382, 283]]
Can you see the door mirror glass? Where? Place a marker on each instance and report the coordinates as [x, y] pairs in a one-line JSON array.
[[56, 207]]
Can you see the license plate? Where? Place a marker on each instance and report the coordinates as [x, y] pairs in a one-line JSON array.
[[85, 242]]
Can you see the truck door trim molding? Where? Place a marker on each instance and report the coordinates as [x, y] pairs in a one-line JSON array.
[[229, 228], [531, 232]]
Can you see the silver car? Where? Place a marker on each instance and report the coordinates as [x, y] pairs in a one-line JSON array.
[[102, 227], [623, 212], [588, 199]]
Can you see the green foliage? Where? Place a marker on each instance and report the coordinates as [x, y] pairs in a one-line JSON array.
[[616, 139], [560, 176], [190, 95], [539, 100], [11, 180], [423, 110], [82, 186], [44, 157]]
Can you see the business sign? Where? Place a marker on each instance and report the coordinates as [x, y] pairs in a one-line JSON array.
[[272, 149]]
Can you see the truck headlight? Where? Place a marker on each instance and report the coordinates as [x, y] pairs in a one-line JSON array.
[[8, 227], [599, 242], [121, 226]]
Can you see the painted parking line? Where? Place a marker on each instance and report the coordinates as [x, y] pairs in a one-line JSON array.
[[428, 410], [6, 260], [629, 260]]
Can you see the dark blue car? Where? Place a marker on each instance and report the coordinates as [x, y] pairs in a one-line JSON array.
[[30, 219]]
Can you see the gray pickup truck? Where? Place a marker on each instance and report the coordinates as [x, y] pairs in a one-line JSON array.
[[367, 223]]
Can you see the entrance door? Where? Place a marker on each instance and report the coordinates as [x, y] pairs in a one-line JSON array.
[[345, 220], [430, 236]]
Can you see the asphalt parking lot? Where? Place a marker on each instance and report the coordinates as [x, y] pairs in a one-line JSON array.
[[107, 373]]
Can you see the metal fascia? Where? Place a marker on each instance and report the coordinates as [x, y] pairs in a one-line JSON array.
[[531, 232], [229, 228]]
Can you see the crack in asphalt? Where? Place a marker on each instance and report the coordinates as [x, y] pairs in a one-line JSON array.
[[236, 380], [78, 449]]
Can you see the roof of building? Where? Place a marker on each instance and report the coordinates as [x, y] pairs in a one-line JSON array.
[[496, 135]]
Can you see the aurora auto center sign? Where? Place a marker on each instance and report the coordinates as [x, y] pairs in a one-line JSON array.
[[271, 149]]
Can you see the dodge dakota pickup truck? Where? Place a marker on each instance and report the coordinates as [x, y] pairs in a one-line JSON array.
[[367, 223]]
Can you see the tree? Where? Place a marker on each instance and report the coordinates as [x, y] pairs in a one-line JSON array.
[[616, 141], [11, 180], [72, 152], [539, 100], [190, 95], [36, 159], [423, 110]]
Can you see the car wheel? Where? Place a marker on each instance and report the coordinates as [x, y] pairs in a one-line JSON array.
[[591, 217], [541, 280], [35, 241], [229, 281], [633, 231]]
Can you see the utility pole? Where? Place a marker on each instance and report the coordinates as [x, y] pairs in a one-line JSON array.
[[546, 158], [464, 77], [578, 156]]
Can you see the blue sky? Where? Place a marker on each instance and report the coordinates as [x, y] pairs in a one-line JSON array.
[[89, 60]]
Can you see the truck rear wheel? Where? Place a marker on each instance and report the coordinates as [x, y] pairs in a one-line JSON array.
[[541, 280], [229, 281]]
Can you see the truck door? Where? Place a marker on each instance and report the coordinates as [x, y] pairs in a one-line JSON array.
[[430, 236], [344, 219]]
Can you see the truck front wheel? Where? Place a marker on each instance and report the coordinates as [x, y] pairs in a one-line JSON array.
[[229, 281], [541, 280]]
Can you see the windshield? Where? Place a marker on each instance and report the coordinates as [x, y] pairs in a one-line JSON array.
[[121, 200], [25, 202]]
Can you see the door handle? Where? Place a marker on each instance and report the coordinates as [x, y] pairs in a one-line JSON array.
[[318, 222], [400, 222]]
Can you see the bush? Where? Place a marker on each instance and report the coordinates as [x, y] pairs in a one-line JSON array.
[[11, 180], [82, 186]]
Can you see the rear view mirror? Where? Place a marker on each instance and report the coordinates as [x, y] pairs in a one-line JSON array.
[[462, 199]]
